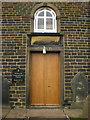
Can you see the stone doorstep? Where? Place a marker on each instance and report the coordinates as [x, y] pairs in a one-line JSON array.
[[40, 118], [46, 107], [47, 113]]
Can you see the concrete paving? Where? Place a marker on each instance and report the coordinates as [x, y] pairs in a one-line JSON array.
[[77, 113], [44, 114], [39, 113], [17, 113]]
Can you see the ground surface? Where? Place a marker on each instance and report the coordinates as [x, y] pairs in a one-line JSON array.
[[44, 114]]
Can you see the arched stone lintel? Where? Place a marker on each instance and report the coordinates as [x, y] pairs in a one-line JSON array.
[[44, 4]]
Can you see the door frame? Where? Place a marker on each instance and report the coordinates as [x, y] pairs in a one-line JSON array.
[[36, 49]]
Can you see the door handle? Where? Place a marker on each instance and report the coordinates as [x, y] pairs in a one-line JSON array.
[[49, 86]]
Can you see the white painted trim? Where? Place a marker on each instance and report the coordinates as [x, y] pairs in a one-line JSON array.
[[36, 17]]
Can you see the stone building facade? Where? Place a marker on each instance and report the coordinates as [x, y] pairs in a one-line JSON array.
[[17, 22]]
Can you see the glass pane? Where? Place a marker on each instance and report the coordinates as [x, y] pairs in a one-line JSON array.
[[40, 23], [41, 14], [48, 14], [49, 23]]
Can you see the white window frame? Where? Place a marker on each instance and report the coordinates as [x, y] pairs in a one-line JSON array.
[[53, 17]]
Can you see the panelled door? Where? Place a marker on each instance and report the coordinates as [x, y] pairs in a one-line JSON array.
[[45, 79]]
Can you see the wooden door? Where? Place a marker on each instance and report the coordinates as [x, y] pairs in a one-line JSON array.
[[45, 79]]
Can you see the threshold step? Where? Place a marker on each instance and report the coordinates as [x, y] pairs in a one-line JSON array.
[[38, 118], [45, 107]]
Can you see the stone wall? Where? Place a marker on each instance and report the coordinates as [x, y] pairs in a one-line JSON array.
[[16, 24], [74, 25]]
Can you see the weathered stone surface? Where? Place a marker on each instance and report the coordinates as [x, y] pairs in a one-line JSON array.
[[79, 89], [86, 107]]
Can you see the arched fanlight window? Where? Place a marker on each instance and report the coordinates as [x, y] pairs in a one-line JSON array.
[[45, 21]]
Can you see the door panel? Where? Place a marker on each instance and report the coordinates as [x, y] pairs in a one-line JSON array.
[[45, 79], [36, 82], [52, 79]]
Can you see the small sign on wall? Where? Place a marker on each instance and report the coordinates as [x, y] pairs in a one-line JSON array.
[[18, 76]]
